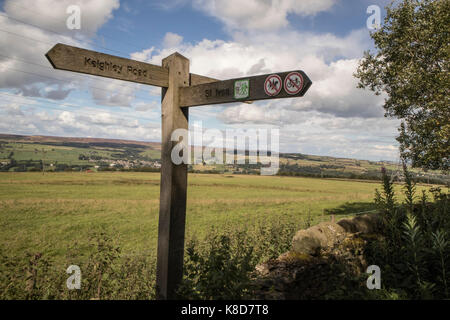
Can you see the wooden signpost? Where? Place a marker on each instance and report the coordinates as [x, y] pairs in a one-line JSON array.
[[180, 90]]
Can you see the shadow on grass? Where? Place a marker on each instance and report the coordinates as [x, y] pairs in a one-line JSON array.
[[352, 208]]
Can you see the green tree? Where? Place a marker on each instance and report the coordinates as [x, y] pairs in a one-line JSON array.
[[411, 66]]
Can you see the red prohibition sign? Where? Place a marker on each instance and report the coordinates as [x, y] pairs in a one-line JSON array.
[[293, 83], [273, 85]]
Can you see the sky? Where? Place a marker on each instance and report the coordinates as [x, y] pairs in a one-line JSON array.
[[222, 39]]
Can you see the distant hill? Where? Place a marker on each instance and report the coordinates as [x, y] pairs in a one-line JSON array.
[[44, 139], [32, 153]]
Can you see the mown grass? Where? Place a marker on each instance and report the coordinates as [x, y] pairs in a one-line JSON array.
[[56, 215], [48, 213]]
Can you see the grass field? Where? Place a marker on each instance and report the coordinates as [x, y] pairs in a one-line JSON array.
[[62, 154], [48, 213]]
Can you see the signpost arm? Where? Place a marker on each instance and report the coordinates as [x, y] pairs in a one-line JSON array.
[[172, 212]]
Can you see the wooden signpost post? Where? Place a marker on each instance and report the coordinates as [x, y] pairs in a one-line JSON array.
[[180, 90]]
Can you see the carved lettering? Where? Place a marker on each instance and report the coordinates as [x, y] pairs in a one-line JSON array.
[[137, 72], [103, 65], [217, 93], [222, 92]]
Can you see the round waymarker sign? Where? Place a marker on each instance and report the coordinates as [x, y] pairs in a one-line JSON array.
[[293, 83], [273, 85]]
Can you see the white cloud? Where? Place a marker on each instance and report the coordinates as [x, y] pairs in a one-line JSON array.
[[261, 113], [22, 58], [51, 14], [360, 138], [83, 122], [146, 106], [113, 93], [272, 52], [143, 55], [334, 87], [14, 109], [333, 118], [16, 50], [259, 14], [172, 40], [336, 92]]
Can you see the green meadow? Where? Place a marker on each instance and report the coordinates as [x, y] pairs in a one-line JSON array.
[[52, 212]]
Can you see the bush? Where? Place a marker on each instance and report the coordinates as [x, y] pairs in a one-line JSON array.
[[222, 266], [105, 274], [218, 267], [217, 272], [414, 254]]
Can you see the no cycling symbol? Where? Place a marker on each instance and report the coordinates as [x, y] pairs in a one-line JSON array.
[[293, 83], [273, 85]]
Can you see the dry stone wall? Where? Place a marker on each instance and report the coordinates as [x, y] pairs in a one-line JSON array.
[[322, 258], [328, 234]]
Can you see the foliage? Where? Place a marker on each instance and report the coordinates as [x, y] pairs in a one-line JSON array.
[[105, 275], [253, 225], [411, 66], [219, 272], [220, 267], [414, 253]]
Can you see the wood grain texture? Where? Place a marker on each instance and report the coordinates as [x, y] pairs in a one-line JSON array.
[[223, 91], [196, 79], [173, 192], [65, 57], [80, 60]]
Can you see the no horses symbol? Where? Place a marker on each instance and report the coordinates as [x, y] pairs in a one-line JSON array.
[[273, 85]]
